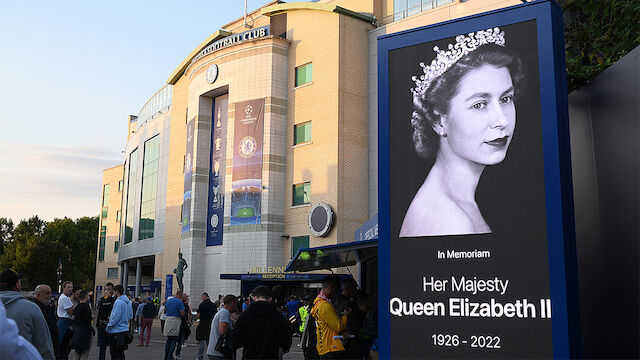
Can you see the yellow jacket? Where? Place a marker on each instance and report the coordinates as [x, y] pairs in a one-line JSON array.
[[328, 325]]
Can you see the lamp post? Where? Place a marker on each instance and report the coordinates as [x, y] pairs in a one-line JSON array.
[[59, 273]]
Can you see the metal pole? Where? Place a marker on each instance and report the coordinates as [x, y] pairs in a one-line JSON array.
[[59, 275], [245, 13]]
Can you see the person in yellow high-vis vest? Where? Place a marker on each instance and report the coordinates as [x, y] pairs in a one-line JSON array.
[[304, 313]]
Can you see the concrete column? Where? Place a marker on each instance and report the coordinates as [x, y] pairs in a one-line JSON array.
[[125, 275], [138, 276], [121, 273]]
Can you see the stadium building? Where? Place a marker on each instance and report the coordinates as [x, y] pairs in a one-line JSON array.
[[262, 143]]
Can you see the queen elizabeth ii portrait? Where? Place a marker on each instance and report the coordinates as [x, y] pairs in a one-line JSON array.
[[464, 120]]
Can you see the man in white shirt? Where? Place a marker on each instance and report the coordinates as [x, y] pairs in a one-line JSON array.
[[65, 310]]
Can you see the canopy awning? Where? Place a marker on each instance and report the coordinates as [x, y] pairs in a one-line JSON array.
[[333, 256], [278, 277]]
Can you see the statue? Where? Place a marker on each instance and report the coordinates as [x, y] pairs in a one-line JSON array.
[[179, 271]]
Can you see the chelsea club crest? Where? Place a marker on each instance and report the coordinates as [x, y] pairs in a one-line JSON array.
[[248, 147]]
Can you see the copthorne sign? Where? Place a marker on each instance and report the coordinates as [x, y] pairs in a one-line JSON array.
[[252, 34]]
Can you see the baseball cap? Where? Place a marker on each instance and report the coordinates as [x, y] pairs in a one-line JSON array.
[[9, 278]]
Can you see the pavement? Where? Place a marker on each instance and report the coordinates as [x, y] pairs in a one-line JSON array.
[[155, 351]]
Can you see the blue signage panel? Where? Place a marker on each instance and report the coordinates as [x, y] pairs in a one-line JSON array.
[[216, 197], [476, 235], [169, 286], [368, 230]]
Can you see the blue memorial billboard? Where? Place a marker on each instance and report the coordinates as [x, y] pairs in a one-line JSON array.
[[476, 230]]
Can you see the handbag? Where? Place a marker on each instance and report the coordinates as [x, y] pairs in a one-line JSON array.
[[224, 345], [128, 336]]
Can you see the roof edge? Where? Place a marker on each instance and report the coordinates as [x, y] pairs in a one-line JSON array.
[[177, 73], [286, 7]]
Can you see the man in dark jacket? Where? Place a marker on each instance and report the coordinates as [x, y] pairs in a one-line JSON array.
[[261, 329], [105, 304], [205, 314], [42, 298]]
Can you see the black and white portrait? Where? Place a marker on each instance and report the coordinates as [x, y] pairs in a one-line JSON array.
[[461, 116], [466, 174]]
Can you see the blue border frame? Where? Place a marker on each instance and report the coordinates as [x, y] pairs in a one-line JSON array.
[[557, 162]]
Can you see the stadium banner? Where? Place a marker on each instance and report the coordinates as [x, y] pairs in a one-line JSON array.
[[216, 198], [188, 175], [246, 186]]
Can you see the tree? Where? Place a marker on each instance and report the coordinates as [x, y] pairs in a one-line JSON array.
[[35, 247], [598, 33], [6, 228]]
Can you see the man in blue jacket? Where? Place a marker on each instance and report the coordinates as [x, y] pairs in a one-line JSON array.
[[118, 325]]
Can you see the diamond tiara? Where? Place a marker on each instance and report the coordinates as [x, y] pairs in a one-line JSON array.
[[445, 59]]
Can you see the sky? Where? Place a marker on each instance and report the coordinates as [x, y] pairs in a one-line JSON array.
[[71, 72]]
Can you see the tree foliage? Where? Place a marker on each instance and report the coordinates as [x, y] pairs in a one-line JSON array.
[[34, 246], [598, 33]]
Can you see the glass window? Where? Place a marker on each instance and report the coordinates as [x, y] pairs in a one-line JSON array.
[[301, 193], [131, 189], [299, 242], [118, 215], [105, 195], [149, 188], [404, 8], [112, 273], [116, 246], [101, 245], [120, 185], [302, 133], [303, 74], [105, 199]]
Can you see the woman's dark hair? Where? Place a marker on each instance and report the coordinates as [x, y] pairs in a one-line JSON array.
[[437, 97]]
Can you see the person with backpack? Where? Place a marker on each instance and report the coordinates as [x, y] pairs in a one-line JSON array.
[[148, 312], [308, 338]]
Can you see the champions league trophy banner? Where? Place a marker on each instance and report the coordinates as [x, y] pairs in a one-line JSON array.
[[215, 212], [476, 219], [188, 173], [246, 188]]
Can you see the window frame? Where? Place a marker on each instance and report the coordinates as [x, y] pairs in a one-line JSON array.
[[295, 137], [295, 75], [306, 191], [293, 247]]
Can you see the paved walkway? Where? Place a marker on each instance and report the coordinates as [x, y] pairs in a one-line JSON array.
[[155, 351]]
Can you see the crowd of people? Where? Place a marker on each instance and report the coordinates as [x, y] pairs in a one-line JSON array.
[[330, 325]]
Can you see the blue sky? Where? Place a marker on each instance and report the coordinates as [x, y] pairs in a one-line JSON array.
[[72, 71]]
